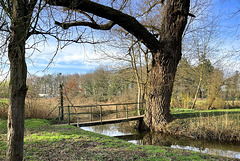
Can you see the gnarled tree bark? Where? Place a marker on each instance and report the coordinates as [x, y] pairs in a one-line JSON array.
[[164, 65]]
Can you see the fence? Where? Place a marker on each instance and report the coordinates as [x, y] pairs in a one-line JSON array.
[[99, 110]]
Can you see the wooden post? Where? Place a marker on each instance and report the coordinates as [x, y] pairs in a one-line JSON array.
[[116, 112], [126, 111], [61, 99], [68, 115], [59, 113], [141, 107], [101, 113], [91, 112], [136, 108]]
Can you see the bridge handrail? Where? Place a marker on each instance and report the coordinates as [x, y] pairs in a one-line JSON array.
[[97, 105], [114, 104]]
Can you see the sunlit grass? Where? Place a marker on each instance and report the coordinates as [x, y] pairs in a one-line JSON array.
[[4, 100], [44, 141]]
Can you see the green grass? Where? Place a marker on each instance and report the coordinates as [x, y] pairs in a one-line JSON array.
[[48, 142], [185, 113], [3, 100], [3, 126], [31, 124]]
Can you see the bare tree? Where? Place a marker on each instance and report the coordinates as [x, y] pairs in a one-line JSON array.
[[20, 19], [203, 46], [166, 51], [150, 15], [23, 21]]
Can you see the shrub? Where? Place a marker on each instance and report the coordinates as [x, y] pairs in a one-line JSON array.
[[3, 108]]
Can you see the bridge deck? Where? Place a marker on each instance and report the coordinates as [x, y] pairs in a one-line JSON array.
[[112, 121]]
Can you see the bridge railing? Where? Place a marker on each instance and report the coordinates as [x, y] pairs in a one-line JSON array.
[[117, 108]]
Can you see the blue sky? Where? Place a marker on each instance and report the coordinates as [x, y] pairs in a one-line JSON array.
[[71, 59], [83, 58], [75, 58], [229, 19], [229, 22]]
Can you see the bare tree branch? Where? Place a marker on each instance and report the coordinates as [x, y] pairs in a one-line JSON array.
[[6, 5], [127, 22], [151, 7], [96, 26]]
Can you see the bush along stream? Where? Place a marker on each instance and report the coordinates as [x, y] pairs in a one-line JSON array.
[[44, 141]]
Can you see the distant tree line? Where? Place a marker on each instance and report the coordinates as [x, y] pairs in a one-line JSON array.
[[104, 85], [101, 85]]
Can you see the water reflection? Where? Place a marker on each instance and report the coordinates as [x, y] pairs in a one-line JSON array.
[[124, 131], [227, 153], [203, 146], [119, 129]]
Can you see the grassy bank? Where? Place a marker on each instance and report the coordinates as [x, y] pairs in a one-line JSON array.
[[48, 142], [222, 124]]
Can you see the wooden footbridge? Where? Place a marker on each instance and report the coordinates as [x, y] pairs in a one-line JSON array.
[[91, 115]]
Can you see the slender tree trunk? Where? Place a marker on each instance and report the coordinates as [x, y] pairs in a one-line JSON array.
[[197, 91], [139, 100], [18, 89], [21, 14], [144, 91], [134, 66]]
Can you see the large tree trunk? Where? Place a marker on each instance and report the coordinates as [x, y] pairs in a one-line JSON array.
[[164, 65], [159, 93]]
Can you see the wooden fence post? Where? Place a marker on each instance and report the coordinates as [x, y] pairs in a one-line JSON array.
[[91, 113], [61, 99], [59, 113], [101, 113], [126, 111], [68, 115], [116, 112]]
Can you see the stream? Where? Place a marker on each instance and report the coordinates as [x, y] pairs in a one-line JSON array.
[[126, 132]]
